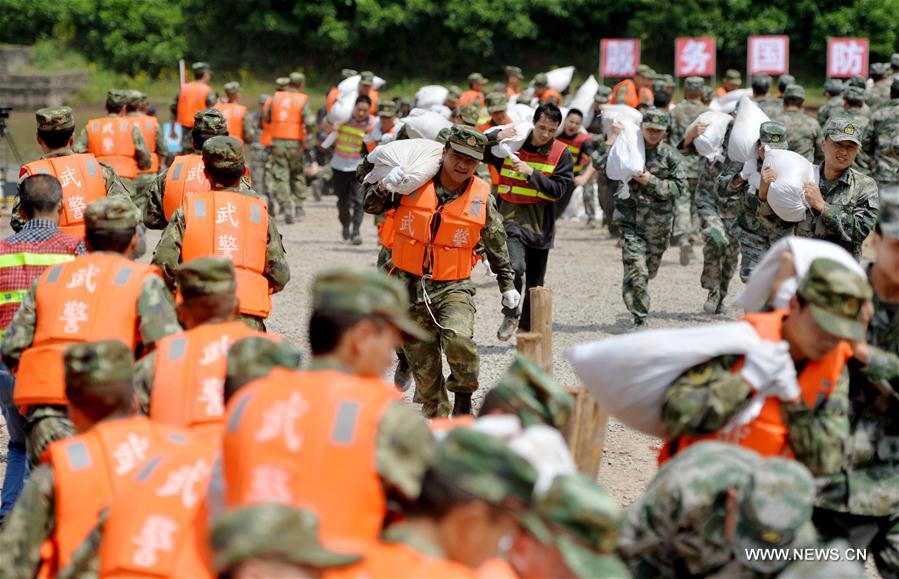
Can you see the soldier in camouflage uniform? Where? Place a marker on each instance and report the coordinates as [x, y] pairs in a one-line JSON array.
[[833, 90], [599, 183], [757, 226], [879, 94], [645, 216], [855, 109], [224, 156], [761, 86], [844, 203], [258, 151], [525, 390], [881, 141], [860, 502], [828, 310], [805, 133], [711, 504], [288, 180], [155, 309], [271, 540], [280, 84], [446, 308], [686, 219], [55, 127], [134, 103]]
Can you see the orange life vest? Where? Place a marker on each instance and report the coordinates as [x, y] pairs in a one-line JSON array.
[[91, 298], [82, 184], [575, 146], [148, 127], [91, 469], [387, 229], [266, 138], [494, 172], [551, 95], [350, 137], [630, 95], [471, 97], [720, 91], [767, 434], [447, 424], [167, 498], [234, 226], [309, 439], [234, 113], [287, 116], [189, 376], [375, 97], [184, 179], [447, 253], [191, 100], [331, 98], [515, 187], [510, 92], [110, 139], [400, 561], [496, 568]]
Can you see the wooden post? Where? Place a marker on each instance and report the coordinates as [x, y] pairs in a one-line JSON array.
[[542, 323], [528, 345], [586, 432]]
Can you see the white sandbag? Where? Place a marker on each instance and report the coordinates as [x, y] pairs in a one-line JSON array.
[[508, 146], [621, 112], [583, 98], [432, 94], [727, 102], [785, 195], [626, 158], [343, 108], [628, 374], [755, 295], [442, 110], [418, 158], [745, 133], [425, 124], [709, 143], [560, 78], [351, 84], [520, 113], [575, 209], [545, 449], [561, 127]]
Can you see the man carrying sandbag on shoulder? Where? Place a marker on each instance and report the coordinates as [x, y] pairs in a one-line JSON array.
[[439, 230]]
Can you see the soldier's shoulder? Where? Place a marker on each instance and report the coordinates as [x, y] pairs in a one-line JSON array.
[[863, 181]]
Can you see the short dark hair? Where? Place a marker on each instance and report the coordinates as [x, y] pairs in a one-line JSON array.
[[114, 108], [197, 139], [439, 496], [98, 401], [495, 403], [198, 74], [363, 98], [115, 240], [225, 178], [575, 112], [894, 91], [326, 328], [56, 139], [661, 99], [549, 111], [40, 194], [793, 101]]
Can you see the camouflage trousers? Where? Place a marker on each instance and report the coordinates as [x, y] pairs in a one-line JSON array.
[[753, 247], [720, 252], [131, 188], [285, 180], [142, 189], [590, 201], [254, 322], [454, 311], [641, 252], [686, 217], [879, 535], [258, 161], [43, 425]]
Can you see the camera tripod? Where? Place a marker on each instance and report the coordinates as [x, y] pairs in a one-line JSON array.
[[8, 153]]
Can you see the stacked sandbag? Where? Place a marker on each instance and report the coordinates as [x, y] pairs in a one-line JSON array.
[[430, 95], [342, 109], [560, 78], [611, 113], [627, 157], [404, 166], [709, 143], [727, 102], [786, 195], [583, 98], [423, 124], [745, 133], [351, 83], [510, 145], [520, 113]]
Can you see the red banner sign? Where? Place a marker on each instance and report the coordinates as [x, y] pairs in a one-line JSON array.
[[694, 56], [768, 55], [847, 57], [619, 57]]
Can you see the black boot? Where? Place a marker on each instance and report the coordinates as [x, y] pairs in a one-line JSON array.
[[462, 404], [402, 376]]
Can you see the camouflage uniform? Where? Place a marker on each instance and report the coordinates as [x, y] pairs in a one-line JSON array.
[[450, 302], [287, 181], [757, 226], [258, 151], [134, 101], [705, 398], [833, 89], [680, 526], [224, 153], [528, 392], [881, 143], [156, 319], [851, 202], [281, 84], [60, 119], [600, 183], [187, 145], [860, 115], [879, 94], [646, 217], [805, 134], [686, 218]]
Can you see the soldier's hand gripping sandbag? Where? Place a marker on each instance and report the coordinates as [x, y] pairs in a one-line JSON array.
[[404, 166]]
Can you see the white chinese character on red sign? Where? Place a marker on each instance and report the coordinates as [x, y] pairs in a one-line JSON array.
[[280, 422], [76, 206], [68, 176], [131, 453], [406, 224], [226, 213], [768, 54], [73, 313], [108, 145], [212, 395], [847, 57], [215, 351], [195, 174], [107, 129], [270, 484], [695, 56], [620, 57], [84, 277], [156, 534], [183, 481], [226, 246]]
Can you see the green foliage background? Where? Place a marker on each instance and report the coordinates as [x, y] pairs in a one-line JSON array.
[[430, 38]]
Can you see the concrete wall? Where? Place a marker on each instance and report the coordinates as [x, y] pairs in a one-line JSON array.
[[14, 56], [33, 91]]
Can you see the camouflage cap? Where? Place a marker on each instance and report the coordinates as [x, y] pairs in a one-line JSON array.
[[894, 84], [496, 102], [646, 70], [210, 122], [282, 81], [833, 86], [297, 78], [367, 77], [469, 114], [541, 80], [55, 119], [484, 467], [442, 135], [223, 153], [514, 71], [708, 94], [477, 77], [387, 109], [653, 118], [854, 94], [857, 80], [232, 87], [694, 83], [92, 363], [658, 85], [880, 69], [761, 82], [206, 276], [116, 98], [454, 91], [144, 98], [603, 93], [775, 506], [888, 218], [263, 98], [468, 141], [348, 72], [794, 91], [408, 101], [365, 292], [773, 134], [837, 296], [271, 531], [733, 75], [839, 128], [111, 213], [667, 79], [133, 98], [535, 396], [200, 66], [254, 357], [584, 521], [785, 80]]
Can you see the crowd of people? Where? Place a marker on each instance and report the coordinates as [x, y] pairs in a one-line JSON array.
[[156, 429]]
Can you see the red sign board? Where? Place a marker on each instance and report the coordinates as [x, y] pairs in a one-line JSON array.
[[694, 56], [619, 57], [768, 55], [847, 57]]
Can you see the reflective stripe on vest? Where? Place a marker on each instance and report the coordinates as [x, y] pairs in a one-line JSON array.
[[34, 259], [575, 146], [515, 187], [82, 183], [349, 140]]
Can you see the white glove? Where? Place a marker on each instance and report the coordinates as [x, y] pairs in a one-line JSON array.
[[393, 179], [511, 299], [785, 293], [765, 363], [748, 169]]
